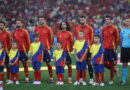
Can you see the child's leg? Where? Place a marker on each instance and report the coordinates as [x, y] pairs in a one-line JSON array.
[[102, 76], [84, 75], [16, 76], [39, 75], [80, 74], [35, 75], [62, 73], [58, 77], [77, 75], [12, 76], [58, 73], [62, 77], [97, 77]]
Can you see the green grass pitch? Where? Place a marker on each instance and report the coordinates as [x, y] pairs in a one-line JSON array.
[[47, 86]]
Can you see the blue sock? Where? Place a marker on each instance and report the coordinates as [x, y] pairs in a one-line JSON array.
[[124, 74]]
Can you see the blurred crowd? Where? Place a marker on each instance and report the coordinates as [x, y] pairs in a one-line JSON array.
[[56, 11]]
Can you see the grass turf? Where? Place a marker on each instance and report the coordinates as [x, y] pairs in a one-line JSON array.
[[47, 86]]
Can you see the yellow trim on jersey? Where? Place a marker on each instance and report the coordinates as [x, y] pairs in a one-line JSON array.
[[58, 54], [12, 53], [34, 47], [94, 49], [78, 45], [1, 50]]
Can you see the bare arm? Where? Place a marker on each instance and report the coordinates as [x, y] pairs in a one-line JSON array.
[[75, 53], [101, 62], [3, 61]]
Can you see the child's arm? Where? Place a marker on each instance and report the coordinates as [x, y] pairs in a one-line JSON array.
[[3, 61], [84, 55], [101, 62], [14, 61], [75, 53]]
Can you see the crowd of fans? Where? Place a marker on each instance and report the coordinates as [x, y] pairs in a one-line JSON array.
[[57, 10]]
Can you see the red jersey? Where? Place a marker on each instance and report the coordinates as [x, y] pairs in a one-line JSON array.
[[88, 33], [67, 40], [46, 36], [5, 37], [110, 37], [21, 36]]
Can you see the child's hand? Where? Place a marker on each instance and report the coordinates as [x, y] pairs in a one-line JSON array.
[[101, 62], [64, 65], [77, 59], [11, 64], [2, 64], [41, 61], [80, 60], [29, 55]]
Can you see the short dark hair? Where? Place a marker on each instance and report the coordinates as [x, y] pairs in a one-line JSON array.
[[81, 31], [15, 42], [21, 20], [2, 22], [97, 36], [67, 24], [41, 17], [35, 35], [59, 42], [82, 16], [109, 16], [2, 43]]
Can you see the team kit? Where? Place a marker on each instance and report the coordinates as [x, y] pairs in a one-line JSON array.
[[92, 52]]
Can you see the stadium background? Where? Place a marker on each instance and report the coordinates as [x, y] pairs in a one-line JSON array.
[[56, 11]]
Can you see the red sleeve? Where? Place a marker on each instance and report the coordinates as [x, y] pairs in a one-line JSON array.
[[9, 41], [117, 38], [102, 34], [75, 33], [91, 37], [51, 37], [27, 40], [71, 41], [57, 36]]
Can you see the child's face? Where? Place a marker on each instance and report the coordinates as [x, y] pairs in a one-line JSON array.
[[36, 39], [96, 39], [58, 45], [1, 45], [81, 35], [14, 45]]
